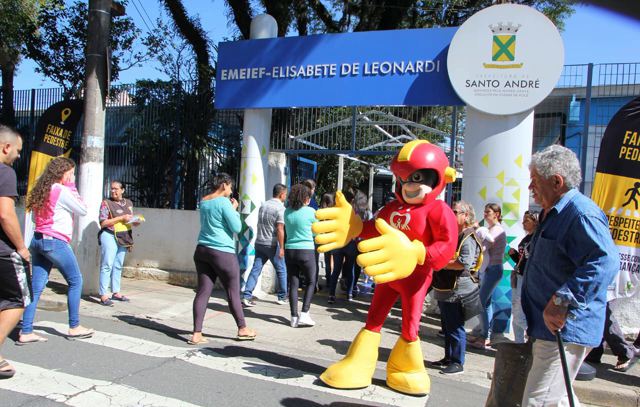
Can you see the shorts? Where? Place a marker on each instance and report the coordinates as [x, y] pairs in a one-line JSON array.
[[15, 282]]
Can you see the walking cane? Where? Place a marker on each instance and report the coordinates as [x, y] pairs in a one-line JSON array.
[[565, 369]]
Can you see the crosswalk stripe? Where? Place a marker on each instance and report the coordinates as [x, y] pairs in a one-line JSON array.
[[79, 391], [207, 358]]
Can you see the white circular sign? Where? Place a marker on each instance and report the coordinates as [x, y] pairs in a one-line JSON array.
[[505, 59]]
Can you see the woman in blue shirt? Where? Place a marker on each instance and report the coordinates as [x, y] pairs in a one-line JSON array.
[[215, 257], [299, 252]]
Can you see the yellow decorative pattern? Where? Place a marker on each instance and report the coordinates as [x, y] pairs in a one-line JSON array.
[[500, 177], [518, 161], [511, 208], [254, 179], [485, 160], [512, 183], [500, 193], [516, 194], [483, 193], [263, 151], [510, 222]]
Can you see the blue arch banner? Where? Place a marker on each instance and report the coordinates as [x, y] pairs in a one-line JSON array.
[[400, 67]]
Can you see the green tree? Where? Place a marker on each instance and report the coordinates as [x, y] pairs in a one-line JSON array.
[[334, 16], [196, 136], [58, 46], [18, 22]]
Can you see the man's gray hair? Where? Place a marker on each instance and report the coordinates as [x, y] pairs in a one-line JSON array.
[[468, 209], [557, 160], [7, 134]]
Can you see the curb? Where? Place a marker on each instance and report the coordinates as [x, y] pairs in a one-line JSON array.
[[50, 304], [614, 396], [180, 278]]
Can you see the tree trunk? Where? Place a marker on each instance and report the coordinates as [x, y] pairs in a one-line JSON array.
[[7, 112], [196, 138]]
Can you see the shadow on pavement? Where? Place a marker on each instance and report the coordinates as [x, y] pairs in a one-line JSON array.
[[298, 402], [253, 312], [605, 371], [179, 334]]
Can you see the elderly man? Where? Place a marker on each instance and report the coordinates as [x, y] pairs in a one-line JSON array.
[[573, 260], [15, 292]]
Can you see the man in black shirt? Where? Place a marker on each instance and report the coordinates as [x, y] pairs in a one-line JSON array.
[[15, 292]]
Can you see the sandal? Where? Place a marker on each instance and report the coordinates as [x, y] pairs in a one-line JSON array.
[[624, 365], [249, 335], [120, 298], [34, 339], [84, 334], [106, 303], [202, 341], [6, 373]]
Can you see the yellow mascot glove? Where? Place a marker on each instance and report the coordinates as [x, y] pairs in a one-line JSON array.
[[390, 256], [338, 225]]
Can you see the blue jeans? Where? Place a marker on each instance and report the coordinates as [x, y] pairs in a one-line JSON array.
[[112, 258], [488, 284], [455, 337], [264, 253], [519, 321], [46, 253]]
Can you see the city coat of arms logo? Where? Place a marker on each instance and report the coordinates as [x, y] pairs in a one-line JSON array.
[[503, 46]]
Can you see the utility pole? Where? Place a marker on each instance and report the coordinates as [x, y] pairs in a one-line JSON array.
[[91, 169]]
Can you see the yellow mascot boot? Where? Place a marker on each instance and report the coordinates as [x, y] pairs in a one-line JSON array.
[[405, 369], [356, 369]]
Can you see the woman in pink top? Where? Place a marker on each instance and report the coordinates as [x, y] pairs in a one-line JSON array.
[[54, 200]]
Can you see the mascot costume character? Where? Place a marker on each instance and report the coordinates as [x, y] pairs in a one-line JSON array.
[[410, 237]]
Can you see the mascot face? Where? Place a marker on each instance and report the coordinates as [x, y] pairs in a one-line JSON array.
[[422, 171]]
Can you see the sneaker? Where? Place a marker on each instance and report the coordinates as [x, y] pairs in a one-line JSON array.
[[248, 302], [444, 362], [305, 320], [440, 333], [349, 298], [294, 322], [453, 369], [332, 299], [281, 301]]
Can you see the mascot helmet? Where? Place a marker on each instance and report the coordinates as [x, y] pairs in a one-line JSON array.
[[420, 155]]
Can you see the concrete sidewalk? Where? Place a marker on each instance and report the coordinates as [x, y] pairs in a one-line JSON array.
[[161, 306]]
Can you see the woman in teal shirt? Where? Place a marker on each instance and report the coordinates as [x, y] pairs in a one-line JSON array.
[[299, 252], [215, 257]]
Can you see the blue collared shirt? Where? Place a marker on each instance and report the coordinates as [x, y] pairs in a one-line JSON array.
[[574, 257]]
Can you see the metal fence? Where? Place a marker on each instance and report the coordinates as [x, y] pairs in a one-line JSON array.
[[580, 107], [156, 145], [155, 140]]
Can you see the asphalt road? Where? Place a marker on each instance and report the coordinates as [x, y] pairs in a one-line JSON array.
[[128, 364]]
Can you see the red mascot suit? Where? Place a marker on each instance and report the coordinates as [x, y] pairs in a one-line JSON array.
[[411, 236]]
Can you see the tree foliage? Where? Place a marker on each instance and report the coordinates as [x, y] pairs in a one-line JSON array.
[[17, 22], [58, 46], [333, 16]]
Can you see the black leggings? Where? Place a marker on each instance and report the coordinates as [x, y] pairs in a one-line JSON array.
[[211, 264], [300, 262]]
